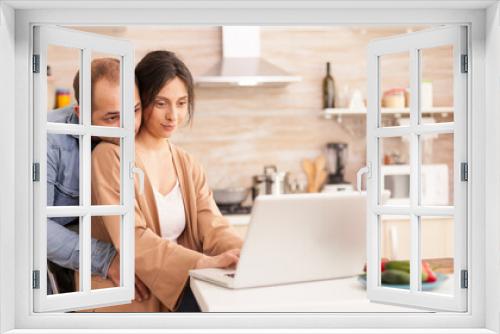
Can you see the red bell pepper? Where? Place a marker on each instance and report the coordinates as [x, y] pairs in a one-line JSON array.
[[431, 276]]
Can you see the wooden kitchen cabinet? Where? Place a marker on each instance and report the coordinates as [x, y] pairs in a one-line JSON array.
[[436, 237]]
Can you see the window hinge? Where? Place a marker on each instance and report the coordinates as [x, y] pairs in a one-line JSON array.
[[464, 171], [36, 172], [36, 279], [36, 63], [464, 279], [465, 64]]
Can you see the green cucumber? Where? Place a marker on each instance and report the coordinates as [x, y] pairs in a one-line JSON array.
[[398, 265], [404, 265], [394, 276]]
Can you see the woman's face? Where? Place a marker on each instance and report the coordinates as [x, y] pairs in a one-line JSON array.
[[168, 110]]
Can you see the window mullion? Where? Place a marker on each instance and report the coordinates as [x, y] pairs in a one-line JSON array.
[[443, 211], [414, 170], [80, 130], [127, 248], [392, 210], [398, 131], [85, 168], [435, 128], [80, 211]]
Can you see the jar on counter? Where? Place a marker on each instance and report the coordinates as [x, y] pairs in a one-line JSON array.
[[394, 98], [259, 185], [271, 182], [63, 98], [278, 183]]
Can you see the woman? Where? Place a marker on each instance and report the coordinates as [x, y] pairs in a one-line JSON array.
[[178, 225]]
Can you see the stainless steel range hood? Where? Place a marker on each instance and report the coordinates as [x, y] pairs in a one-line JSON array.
[[241, 64]]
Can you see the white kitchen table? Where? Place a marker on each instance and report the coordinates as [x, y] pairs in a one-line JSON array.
[[339, 295]]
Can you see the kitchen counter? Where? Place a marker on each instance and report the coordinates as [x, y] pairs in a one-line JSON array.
[[238, 219], [339, 295], [239, 223]]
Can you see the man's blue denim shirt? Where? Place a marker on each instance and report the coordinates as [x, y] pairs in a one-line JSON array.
[[63, 186]]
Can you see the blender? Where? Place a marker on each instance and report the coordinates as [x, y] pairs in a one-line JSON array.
[[336, 158]]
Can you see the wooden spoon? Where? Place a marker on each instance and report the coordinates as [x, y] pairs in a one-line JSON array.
[[310, 171], [320, 173], [320, 180]]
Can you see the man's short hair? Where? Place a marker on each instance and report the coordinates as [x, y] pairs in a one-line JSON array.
[[101, 68]]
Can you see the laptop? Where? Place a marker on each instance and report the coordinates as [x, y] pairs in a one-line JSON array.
[[298, 238]]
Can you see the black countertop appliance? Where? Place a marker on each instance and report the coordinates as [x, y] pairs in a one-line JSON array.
[[336, 158]]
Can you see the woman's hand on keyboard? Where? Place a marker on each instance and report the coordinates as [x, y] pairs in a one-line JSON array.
[[227, 259]]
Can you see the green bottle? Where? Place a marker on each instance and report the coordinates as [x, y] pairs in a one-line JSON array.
[[328, 89]]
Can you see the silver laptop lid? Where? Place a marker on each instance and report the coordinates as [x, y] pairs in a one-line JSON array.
[[303, 237]]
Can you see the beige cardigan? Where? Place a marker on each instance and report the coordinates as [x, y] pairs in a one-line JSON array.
[[162, 265]]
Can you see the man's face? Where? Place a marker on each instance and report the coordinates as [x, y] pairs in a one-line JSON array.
[[106, 106], [106, 103]]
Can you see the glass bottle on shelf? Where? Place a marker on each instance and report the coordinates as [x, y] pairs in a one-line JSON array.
[[328, 89]]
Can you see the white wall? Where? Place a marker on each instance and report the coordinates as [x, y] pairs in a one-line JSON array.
[[492, 171], [7, 172], [7, 165]]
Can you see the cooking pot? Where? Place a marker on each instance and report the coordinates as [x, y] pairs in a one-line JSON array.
[[230, 196]]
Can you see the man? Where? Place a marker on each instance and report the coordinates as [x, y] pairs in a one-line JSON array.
[[63, 175]]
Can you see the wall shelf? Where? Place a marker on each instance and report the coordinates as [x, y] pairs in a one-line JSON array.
[[330, 112]]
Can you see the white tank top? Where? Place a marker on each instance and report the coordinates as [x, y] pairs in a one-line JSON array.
[[171, 213]]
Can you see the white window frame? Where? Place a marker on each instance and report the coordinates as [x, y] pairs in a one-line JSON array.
[[412, 44], [86, 43], [484, 235]]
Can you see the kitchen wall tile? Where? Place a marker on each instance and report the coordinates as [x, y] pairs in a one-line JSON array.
[[236, 131]]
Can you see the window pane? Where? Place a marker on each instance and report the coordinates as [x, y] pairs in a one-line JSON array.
[[63, 63], [394, 87], [394, 259], [63, 150], [102, 170], [63, 169], [436, 186], [63, 256], [106, 90], [436, 84], [437, 253], [394, 171], [103, 227]]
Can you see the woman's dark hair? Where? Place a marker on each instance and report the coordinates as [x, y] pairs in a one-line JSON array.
[[155, 70]]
